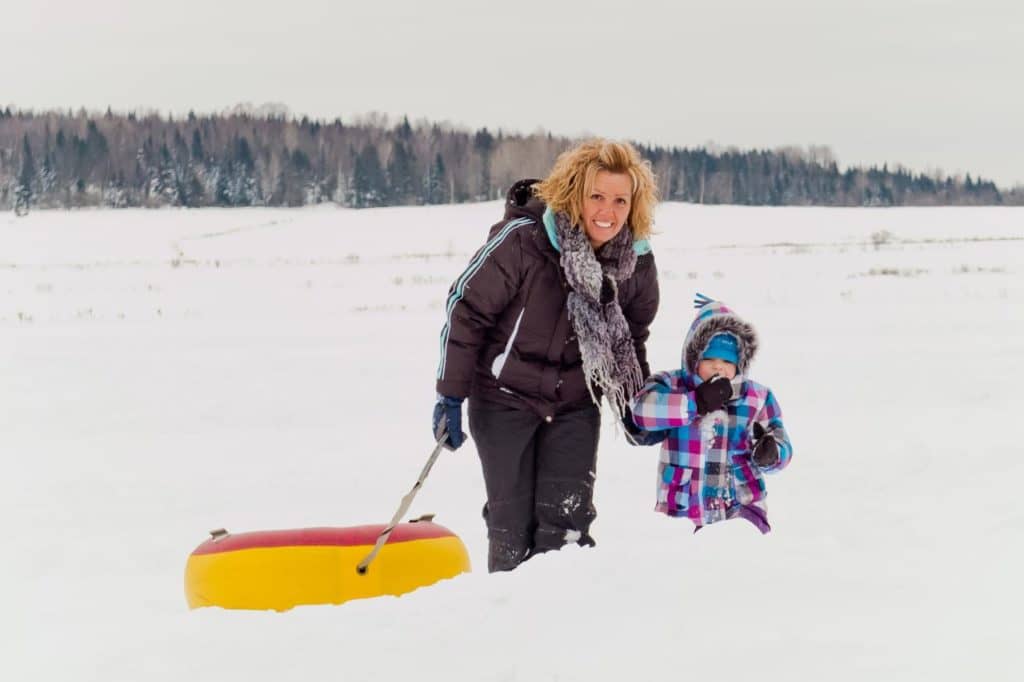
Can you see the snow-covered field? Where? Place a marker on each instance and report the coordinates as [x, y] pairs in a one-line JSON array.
[[164, 373]]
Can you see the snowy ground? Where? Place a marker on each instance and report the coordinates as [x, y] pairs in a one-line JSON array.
[[168, 372]]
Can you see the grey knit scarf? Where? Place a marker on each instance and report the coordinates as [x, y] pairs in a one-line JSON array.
[[609, 357]]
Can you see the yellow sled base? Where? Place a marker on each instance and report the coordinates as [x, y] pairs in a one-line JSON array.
[[280, 569]]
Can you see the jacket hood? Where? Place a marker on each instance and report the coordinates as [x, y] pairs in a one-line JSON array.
[[714, 317], [521, 203]]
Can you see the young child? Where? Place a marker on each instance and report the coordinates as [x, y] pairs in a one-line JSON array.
[[724, 430]]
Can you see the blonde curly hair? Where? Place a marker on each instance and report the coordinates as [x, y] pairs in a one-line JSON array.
[[575, 170]]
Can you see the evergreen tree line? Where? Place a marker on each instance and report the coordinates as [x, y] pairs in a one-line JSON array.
[[75, 159]]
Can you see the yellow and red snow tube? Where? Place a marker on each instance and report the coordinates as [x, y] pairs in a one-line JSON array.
[[279, 569]]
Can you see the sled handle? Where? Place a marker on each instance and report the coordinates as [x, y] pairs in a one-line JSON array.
[[363, 565]]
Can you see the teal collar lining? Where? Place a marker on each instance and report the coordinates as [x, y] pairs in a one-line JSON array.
[[641, 246]]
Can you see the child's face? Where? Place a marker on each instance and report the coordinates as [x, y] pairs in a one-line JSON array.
[[710, 367]]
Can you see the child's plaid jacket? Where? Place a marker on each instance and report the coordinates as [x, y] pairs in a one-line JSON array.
[[705, 471]]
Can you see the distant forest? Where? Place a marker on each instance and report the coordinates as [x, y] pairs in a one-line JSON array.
[[266, 157]]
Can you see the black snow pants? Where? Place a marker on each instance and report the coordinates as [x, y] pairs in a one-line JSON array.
[[539, 477]]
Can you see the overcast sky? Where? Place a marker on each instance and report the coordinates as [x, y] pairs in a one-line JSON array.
[[924, 83]]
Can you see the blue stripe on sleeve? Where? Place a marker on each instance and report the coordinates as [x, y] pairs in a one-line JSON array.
[[459, 288]]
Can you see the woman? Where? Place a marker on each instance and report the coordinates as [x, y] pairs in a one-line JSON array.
[[551, 314]]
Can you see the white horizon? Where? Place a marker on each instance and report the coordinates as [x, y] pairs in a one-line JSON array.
[[920, 84]]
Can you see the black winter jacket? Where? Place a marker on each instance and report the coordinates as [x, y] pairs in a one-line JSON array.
[[508, 337]]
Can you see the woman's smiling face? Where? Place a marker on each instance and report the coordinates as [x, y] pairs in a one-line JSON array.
[[606, 206]]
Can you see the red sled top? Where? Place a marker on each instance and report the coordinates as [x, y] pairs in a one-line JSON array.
[[328, 536]]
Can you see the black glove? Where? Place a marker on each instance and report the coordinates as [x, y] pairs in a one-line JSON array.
[[448, 421], [712, 394], [766, 451], [637, 436]]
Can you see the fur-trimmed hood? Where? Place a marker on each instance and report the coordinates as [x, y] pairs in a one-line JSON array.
[[714, 317]]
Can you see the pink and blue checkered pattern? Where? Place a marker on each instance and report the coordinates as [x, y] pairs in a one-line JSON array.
[[693, 453]]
